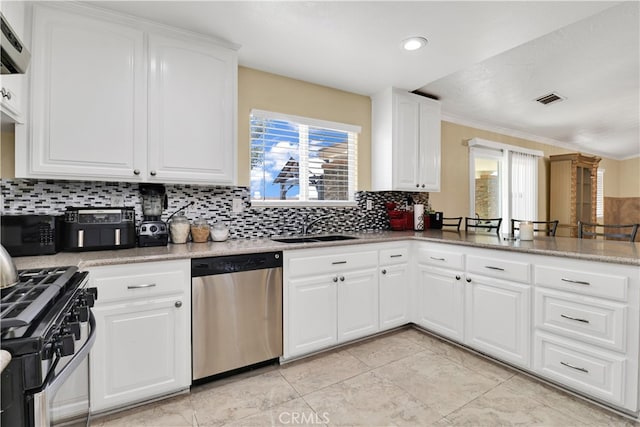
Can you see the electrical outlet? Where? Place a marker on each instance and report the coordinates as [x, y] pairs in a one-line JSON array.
[[237, 205], [117, 201], [369, 205]]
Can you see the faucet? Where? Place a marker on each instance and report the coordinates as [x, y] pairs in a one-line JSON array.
[[306, 224]]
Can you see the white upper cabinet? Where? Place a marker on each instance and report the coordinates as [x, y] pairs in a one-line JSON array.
[[13, 93], [405, 142], [191, 111], [89, 98], [115, 99]]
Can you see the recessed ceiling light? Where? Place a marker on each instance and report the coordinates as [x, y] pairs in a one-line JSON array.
[[414, 43]]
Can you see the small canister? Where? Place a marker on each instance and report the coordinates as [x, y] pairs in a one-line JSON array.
[[526, 230], [219, 232], [199, 231], [179, 228]]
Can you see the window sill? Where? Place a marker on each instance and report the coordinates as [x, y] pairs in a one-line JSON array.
[[298, 204]]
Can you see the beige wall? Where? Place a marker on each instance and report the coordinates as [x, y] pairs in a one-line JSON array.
[[453, 198], [7, 155], [265, 91]]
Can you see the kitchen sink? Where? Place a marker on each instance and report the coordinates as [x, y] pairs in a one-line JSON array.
[[313, 239]]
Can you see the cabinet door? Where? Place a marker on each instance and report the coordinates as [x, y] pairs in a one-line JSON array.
[[441, 301], [142, 350], [12, 98], [357, 304], [429, 178], [406, 142], [394, 296], [312, 322], [192, 92], [89, 98], [498, 321]]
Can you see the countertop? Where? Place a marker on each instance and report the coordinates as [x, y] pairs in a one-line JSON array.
[[595, 250]]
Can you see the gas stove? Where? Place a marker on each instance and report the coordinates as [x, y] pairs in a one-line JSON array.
[[45, 322]]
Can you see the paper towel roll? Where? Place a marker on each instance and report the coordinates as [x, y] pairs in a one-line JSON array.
[[418, 217]]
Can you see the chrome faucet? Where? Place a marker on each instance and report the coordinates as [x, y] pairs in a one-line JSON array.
[[306, 224]]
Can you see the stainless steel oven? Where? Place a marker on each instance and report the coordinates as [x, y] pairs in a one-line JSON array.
[[48, 327]]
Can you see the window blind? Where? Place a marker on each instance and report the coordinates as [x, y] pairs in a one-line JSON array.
[[600, 194], [298, 159], [524, 186]]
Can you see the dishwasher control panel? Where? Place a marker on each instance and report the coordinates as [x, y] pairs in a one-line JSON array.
[[235, 263]]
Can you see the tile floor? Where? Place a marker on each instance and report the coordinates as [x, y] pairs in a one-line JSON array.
[[405, 378]]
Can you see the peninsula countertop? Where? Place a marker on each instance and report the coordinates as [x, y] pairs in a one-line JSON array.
[[595, 250]]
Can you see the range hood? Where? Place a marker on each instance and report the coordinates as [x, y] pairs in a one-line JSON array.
[[14, 54]]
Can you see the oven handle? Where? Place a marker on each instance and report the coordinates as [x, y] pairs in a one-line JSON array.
[[56, 382]]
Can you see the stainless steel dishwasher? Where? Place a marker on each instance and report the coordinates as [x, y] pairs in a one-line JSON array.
[[236, 312]]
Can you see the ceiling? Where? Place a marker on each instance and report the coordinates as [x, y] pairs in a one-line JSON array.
[[485, 60]]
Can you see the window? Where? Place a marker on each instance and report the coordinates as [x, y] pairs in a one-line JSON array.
[[301, 161], [504, 182]]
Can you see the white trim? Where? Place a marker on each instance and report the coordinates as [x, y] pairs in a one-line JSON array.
[[302, 204], [530, 137], [479, 142], [270, 115]]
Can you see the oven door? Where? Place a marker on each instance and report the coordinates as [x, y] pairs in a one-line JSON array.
[[64, 401]]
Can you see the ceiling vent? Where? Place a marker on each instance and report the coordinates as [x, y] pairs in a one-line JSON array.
[[550, 98]]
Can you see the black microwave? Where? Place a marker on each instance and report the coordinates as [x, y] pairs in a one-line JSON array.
[[23, 235]]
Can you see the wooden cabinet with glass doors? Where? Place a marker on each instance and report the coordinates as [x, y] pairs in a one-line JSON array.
[[573, 191]]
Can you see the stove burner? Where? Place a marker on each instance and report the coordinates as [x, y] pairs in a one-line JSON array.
[[35, 290]]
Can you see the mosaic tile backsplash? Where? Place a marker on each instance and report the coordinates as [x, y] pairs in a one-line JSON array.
[[210, 202]]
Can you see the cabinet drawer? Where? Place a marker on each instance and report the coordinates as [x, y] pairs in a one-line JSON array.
[[391, 256], [441, 258], [499, 268], [140, 280], [587, 283], [587, 369], [318, 264], [591, 320]]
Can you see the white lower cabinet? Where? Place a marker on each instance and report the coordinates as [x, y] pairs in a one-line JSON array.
[[498, 318], [441, 301], [394, 286], [587, 328], [331, 297], [143, 343]]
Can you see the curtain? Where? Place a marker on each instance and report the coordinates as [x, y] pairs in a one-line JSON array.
[[524, 186]]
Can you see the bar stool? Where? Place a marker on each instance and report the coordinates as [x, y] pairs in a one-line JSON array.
[[609, 231], [488, 224], [455, 222]]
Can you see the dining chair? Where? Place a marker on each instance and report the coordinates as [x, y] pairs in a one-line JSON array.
[[454, 222], [609, 231], [548, 227], [479, 224]]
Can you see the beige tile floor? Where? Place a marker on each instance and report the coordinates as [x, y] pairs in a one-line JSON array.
[[405, 378]]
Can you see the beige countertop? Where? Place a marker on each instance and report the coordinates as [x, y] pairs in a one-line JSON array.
[[595, 250]]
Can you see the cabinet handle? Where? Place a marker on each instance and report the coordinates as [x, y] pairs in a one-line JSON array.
[[395, 256], [490, 267], [178, 304], [468, 279], [578, 282], [335, 279], [457, 277], [342, 278], [575, 318], [136, 171], [339, 262], [423, 185], [148, 285], [417, 185], [577, 368], [437, 259], [152, 173], [384, 271]]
